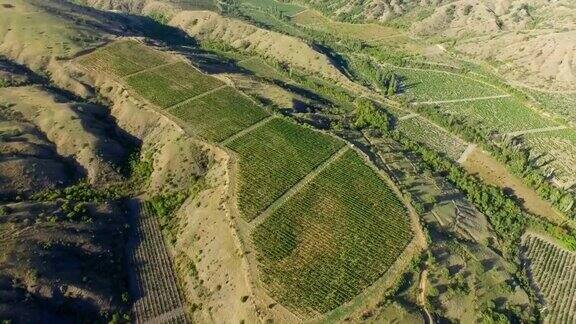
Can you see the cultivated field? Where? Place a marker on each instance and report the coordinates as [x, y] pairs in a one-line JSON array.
[[432, 85], [123, 58], [335, 237], [553, 272], [367, 32], [556, 151], [220, 114], [273, 158], [502, 114], [420, 130], [154, 286], [168, 85], [287, 9]]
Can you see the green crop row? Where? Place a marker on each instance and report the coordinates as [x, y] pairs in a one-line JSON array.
[[502, 114], [422, 131], [273, 158], [220, 114], [334, 238], [430, 85]]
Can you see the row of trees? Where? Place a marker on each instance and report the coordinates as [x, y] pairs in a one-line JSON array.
[[510, 153]]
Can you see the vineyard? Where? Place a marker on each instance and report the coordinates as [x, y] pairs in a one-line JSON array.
[[334, 238], [556, 151], [154, 285], [219, 114], [365, 32], [273, 158], [123, 58], [172, 84], [287, 9], [430, 85], [420, 130], [503, 114], [553, 272]]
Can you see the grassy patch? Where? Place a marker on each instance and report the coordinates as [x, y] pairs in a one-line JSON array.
[[220, 114], [332, 239], [273, 158]]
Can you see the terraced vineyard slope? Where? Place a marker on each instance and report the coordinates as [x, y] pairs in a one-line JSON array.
[[332, 239], [553, 272], [273, 158]]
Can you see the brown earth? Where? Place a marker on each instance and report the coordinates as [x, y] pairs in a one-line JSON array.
[[494, 173]]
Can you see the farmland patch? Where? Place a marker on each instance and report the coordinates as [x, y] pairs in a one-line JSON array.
[[273, 158], [334, 238], [219, 114], [553, 272]]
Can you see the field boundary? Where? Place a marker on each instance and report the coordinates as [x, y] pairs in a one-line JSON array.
[[409, 116], [461, 100], [537, 130], [149, 69], [471, 147], [204, 94], [296, 188], [247, 130]]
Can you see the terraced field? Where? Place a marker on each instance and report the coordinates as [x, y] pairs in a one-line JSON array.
[[367, 32], [273, 158], [556, 150], [420, 130], [336, 232], [220, 114], [168, 85], [123, 58], [431, 85], [335, 237], [553, 272], [503, 115], [287, 9]]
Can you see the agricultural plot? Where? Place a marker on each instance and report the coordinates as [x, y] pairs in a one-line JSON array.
[[503, 115], [420, 130], [154, 284], [123, 58], [366, 32], [273, 158], [553, 272], [334, 238], [261, 69], [219, 114], [431, 85], [171, 84], [556, 151], [283, 8], [558, 103]]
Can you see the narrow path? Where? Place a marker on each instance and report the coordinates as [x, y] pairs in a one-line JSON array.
[[196, 97], [246, 130], [537, 130], [258, 220], [466, 153], [422, 296], [153, 283], [409, 116], [460, 100]]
